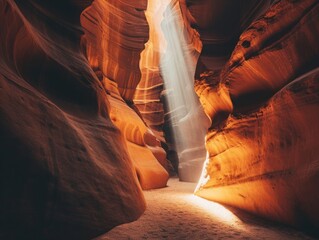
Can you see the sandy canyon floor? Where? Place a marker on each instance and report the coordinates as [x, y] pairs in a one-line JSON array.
[[175, 213]]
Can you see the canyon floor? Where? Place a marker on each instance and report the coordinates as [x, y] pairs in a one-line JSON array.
[[175, 213]]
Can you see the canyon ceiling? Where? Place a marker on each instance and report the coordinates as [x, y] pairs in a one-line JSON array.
[[87, 119]]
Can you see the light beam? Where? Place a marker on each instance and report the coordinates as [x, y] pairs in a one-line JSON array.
[[178, 63]]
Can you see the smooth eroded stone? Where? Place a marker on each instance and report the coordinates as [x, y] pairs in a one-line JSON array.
[[115, 34], [274, 50], [144, 148], [65, 170], [148, 93], [219, 24], [267, 162], [210, 91], [262, 144]]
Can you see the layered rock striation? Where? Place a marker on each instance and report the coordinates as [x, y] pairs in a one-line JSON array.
[[219, 24], [65, 133], [115, 34], [264, 109]]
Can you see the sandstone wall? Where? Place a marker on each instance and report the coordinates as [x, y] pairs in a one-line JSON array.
[[115, 34], [65, 168], [262, 144]]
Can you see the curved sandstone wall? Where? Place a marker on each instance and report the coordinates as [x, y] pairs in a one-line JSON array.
[[219, 24], [66, 170], [262, 144], [115, 34]]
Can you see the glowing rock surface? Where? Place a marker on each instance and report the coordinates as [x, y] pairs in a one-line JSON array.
[[82, 109], [263, 154], [113, 49]]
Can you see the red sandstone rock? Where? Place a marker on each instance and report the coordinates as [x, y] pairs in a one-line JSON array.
[[266, 162], [65, 170], [148, 92], [219, 24], [147, 98], [143, 147], [275, 49], [115, 33], [264, 155], [114, 48], [211, 92], [69, 131]]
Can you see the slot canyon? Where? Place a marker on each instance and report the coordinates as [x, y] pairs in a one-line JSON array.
[[159, 119]]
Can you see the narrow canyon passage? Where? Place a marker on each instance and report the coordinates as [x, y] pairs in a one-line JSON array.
[[175, 213], [159, 119]]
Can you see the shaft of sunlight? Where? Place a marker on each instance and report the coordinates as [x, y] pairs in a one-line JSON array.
[[189, 123]]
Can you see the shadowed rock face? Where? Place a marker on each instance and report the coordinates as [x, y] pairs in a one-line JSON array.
[[219, 24], [273, 51], [65, 169], [263, 154]]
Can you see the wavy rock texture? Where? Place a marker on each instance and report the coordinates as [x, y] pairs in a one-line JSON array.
[[266, 162], [210, 92], [113, 48], [219, 24], [147, 97], [264, 156], [116, 32], [268, 55], [65, 170]]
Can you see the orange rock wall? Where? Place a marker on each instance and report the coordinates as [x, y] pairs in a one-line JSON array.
[[75, 150], [147, 98], [274, 50], [116, 32], [266, 162], [65, 169], [113, 49], [262, 144]]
